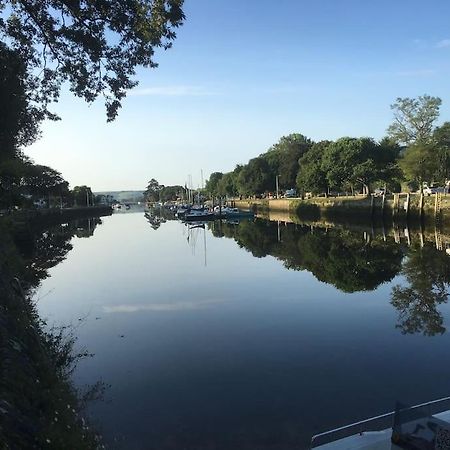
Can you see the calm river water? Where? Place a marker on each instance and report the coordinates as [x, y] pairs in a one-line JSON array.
[[250, 335]]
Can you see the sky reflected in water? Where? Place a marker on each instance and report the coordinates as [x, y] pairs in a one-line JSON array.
[[206, 346]]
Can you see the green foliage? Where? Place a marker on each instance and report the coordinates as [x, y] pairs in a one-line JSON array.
[[43, 181], [94, 46], [311, 177], [170, 193], [19, 119], [419, 162], [414, 119], [82, 195], [441, 139], [255, 177], [212, 184], [360, 161], [153, 190], [283, 158]]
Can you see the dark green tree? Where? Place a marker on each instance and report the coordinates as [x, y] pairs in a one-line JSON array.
[[227, 186], [414, 119], [18, 118], [43, 181], [82, 195], [311, 177], [283, 158], [152, 193], [420, 162], [358, 162], [255, 177], [95, 46], [441, 139], [212, 184]]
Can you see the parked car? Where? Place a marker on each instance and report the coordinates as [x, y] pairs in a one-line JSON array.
[[290, 193], [378, 192], [429, 190]]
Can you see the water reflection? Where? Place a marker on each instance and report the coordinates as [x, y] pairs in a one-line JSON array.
[[427, 272], [244, 353], [41, 408], [339, 257], [354, 261], [43, 247]]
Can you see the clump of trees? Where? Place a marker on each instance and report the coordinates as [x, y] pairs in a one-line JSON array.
[[414, 151], [156, 192]]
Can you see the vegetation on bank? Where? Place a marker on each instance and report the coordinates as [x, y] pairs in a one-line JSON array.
[[414, 151], [39, 406]]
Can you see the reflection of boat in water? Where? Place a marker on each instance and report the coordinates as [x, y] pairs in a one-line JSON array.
[[424, 426], [228, 212]]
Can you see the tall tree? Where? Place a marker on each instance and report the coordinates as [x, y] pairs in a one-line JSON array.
[[82, 195], [255, 177], [311, 177], [441, 138], [419, 163], [152, 193], [212, 183], [358, 162], [18, 118], [414, 119], [93, 45], [283, 158]]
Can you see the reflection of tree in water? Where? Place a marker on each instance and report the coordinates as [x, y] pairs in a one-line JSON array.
[[344, 259], [42, 250], [40, 406], [337, 257], [427, 272]]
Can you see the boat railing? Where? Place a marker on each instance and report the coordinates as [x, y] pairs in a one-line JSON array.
[[377, 423]]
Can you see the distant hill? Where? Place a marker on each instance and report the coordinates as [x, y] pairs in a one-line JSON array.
[[124, 196]]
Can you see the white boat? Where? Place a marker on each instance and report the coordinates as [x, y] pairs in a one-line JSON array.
[[198, 215], [229, 212], [424, 426]]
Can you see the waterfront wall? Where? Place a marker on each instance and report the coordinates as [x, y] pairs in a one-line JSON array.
[[396, 207]]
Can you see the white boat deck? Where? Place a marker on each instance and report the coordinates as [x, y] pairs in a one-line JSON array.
[[372, 440]]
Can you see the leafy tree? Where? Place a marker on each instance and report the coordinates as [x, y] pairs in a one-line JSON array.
[[441, 139], [227, 186], [212, 183], [11, 176], [152, 193], [311, 177], [356, 161], [255, 177], [283, 158], [419, 162], [82, 195], [43, 180], [414, 119], [94, 46], [18, 119], [170, 193]]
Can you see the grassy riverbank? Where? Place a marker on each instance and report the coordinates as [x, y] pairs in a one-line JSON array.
[[39, 407]]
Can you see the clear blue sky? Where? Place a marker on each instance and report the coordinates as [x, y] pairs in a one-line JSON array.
[[241, 74]]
